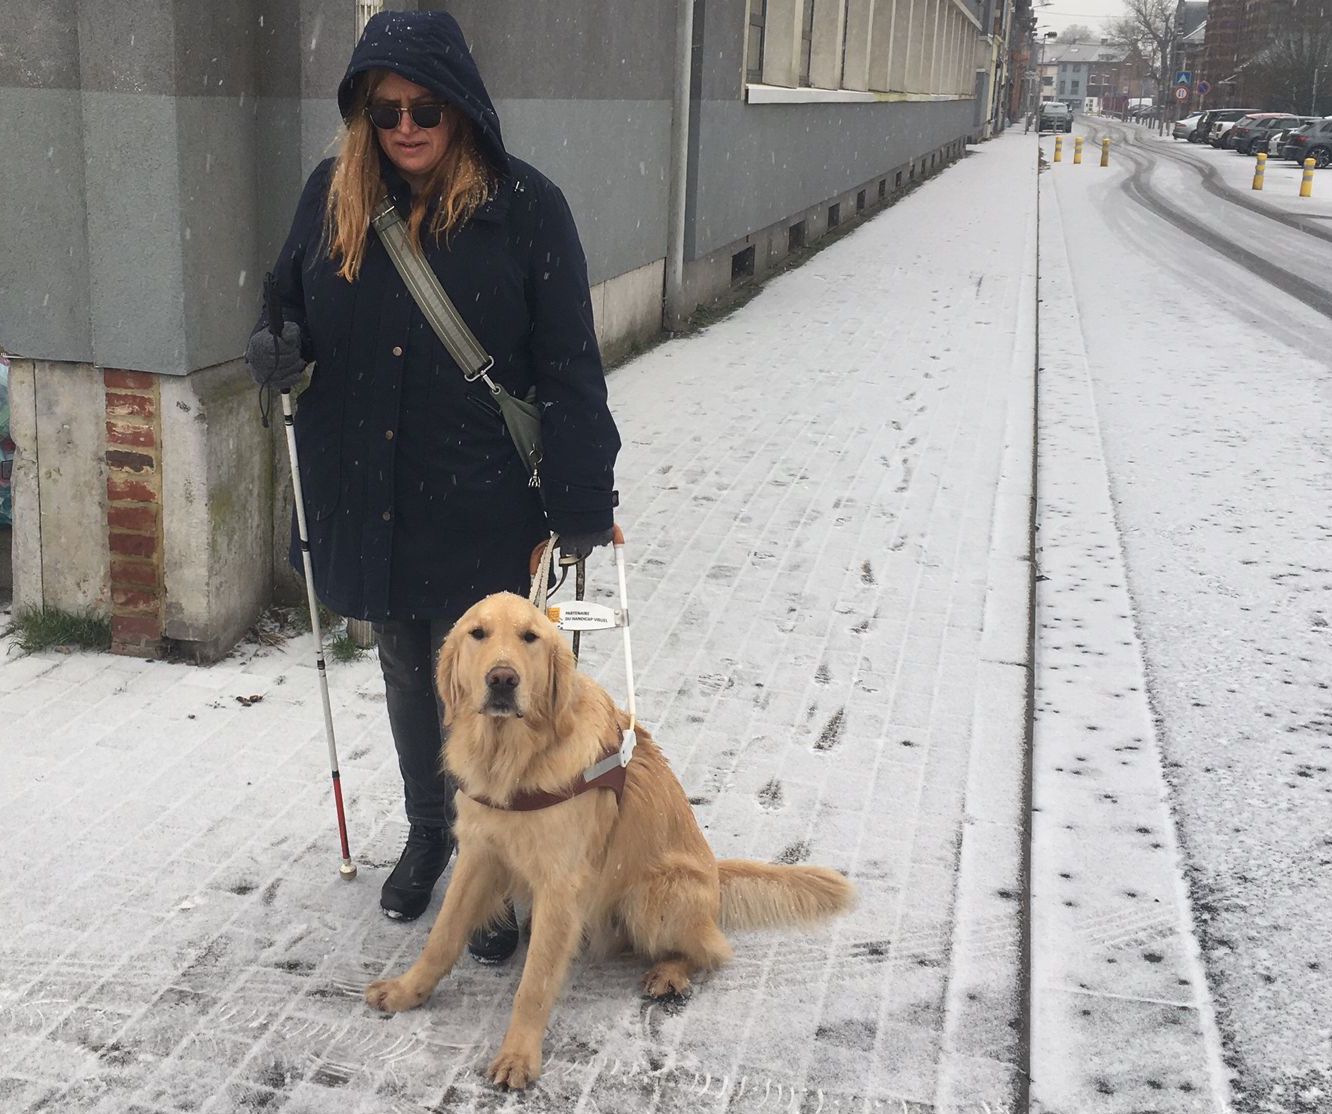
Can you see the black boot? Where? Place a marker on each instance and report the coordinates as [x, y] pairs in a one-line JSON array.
[[496, 943], [406, 891]]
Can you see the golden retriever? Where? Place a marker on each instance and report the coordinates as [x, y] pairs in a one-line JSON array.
[[638, 873]]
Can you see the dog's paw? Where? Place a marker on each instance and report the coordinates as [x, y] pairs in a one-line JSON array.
[[514, 1068], [668, 979], [393, 995]]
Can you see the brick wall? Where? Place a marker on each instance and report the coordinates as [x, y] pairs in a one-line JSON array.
[[134, 511]]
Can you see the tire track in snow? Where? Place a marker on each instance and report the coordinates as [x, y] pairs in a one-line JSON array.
[[1138, 187]]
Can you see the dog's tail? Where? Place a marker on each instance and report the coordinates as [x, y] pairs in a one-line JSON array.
[[761, 895]]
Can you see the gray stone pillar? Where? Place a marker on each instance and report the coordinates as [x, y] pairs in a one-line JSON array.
[[156, 151]]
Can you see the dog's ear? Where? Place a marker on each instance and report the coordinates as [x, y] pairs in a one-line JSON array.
[[563, 680], [446, 675]]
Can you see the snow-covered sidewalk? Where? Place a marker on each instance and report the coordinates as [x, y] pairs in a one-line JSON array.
[[827, 501]]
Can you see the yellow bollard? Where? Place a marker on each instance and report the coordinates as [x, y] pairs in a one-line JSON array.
[[1059, 148], [1105, 152], [1077, 150], [1259, 170], [1306, 183]]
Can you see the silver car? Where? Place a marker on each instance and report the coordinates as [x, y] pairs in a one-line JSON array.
[[1185, 128]]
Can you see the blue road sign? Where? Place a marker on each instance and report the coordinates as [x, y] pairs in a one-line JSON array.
[[1204, 87], [1184, 77]]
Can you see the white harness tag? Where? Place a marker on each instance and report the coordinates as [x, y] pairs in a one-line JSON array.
[[581, 615]]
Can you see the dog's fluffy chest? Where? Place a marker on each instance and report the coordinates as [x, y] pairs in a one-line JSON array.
[[563, 841]]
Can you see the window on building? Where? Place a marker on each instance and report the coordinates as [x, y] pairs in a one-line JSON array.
[[1073, 88], [1063, 89], [364, 10], [758, 16], [806, 40]]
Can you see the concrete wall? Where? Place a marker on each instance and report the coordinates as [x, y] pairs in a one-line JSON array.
[[753, 164], [60, 537], [583, 90], [216, 558], [761, 162]]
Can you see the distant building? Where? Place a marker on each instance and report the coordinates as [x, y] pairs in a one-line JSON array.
[[1074, 72]]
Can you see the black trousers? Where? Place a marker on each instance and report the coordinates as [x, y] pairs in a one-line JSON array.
[[407, 653]]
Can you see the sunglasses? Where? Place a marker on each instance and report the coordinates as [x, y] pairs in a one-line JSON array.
[[386, 117]]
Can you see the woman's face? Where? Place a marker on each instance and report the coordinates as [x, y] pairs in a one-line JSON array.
[[415, 151]]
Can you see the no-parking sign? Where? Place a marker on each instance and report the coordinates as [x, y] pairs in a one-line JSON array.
[[1204, 87]]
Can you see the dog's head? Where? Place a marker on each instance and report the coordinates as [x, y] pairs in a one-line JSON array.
[[505, 659]]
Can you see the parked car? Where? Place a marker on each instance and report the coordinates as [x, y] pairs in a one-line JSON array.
[[1272, 144], [1247, 133], [1271, 140], [1313, 141], [1054, 116], [1211, 116], [1185, 128], [1221, 129]]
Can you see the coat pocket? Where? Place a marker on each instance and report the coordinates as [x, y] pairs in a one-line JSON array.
[[319, 448]]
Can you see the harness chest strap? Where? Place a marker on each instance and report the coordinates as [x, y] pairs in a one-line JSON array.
[[608, 772]]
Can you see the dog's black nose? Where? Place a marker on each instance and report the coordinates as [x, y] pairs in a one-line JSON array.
[[502, 677]]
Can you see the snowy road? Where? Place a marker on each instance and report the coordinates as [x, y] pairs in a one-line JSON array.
[[1211, 381], [1274, 234]]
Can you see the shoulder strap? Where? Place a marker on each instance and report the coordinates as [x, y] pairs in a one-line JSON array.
[[522, 418], [425, 289]]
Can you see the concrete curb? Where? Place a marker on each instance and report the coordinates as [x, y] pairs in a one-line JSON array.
[[983, 1054]]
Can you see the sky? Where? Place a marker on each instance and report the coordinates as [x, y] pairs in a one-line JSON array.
[[1058, 14]]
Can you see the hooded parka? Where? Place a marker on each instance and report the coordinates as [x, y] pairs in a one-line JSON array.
[[417, 502]]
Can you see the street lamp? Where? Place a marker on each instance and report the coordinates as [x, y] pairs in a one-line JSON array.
[[1038, 86]]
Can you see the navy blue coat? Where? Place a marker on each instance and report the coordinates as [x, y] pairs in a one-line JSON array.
[[417, 502]]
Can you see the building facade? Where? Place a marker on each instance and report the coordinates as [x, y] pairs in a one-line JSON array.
[[1076, 72], [699, 142]]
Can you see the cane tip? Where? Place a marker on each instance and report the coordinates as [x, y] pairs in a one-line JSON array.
[[347, 870]]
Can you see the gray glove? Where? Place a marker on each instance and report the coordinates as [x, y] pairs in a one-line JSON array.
[[574, 547], [276, 361]]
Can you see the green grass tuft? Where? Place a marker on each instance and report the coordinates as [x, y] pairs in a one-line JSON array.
[[343, 649], [48, 628]]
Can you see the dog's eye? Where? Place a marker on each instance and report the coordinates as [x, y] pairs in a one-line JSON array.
[[478, 633], [530, 636]]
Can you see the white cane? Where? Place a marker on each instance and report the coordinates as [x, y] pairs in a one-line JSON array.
[[348, 868]]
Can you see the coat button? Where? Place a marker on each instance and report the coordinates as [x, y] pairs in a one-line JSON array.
[[388, 435], [397, 350], [387, 515]]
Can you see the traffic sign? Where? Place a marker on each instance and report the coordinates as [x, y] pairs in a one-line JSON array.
[[1182, 93], [1204, 87], [1184, 77]]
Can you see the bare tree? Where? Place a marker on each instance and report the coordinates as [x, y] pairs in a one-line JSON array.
[[1293, 71], [1147, 31], [1078, 33]]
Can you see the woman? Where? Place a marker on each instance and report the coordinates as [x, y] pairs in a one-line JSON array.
[[417, 501]]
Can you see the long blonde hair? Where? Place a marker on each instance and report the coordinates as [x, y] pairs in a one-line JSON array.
[[460, 184]]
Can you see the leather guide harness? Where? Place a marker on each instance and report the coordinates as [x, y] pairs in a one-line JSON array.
[[606, 773]]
